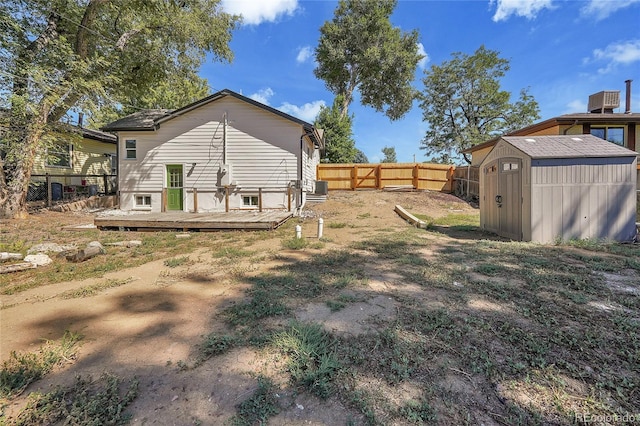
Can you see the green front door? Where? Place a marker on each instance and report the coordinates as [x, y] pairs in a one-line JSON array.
[[174, 187]]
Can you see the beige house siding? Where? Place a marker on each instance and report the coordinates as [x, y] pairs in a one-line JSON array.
[[261, 149]]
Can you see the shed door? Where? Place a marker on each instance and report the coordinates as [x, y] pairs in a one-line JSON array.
[[508, 199], [490, 191]]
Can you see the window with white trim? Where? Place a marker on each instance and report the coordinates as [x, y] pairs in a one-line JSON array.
[[59, 155], [130, 146], [250, 200], [143, 201]]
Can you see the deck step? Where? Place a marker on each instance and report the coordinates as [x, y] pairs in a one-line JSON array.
[[316, 198]]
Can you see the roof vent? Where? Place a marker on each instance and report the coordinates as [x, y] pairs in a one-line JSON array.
[[604, 102]]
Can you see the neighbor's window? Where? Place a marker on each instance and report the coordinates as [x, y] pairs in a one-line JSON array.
[[59, 155], [250, 200], [611, 134], [130, 146], [143, 201]]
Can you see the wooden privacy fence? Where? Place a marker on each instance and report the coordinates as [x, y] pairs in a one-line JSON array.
[[436, 177]]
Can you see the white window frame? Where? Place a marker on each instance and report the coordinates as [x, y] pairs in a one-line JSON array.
[[146, 199], [53, 153], [251, 199], [133, 149]]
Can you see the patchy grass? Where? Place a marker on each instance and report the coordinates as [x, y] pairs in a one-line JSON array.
[[174, 262], [262, 405], [22, 369], [92, 290], [86, 402], [154, 246], [295, 243], [311, 361]]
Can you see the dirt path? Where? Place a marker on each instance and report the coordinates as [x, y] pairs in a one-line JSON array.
[[151, 326]]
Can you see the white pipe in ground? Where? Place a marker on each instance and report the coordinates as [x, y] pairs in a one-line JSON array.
[[320, 227], [298, 231]]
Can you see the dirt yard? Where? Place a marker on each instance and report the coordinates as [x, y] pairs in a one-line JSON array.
[[375, 285]]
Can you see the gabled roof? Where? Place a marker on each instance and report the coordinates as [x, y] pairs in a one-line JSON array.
[[567, 146], [97, 135], [150, 120]]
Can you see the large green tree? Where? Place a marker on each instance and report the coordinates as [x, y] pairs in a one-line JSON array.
[[389, 153], [62, 55], [338, 135], [174, 92], [464, 105], [360, 50]]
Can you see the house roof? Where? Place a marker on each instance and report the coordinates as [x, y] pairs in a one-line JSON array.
[[150, 120], [566, 119], [99, 136], [567, 146]]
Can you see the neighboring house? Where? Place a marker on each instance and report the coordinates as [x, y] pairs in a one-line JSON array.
[[82, 161], [225, 151], [620, 128]]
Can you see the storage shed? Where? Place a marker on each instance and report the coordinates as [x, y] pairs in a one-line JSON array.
[[543, 188]]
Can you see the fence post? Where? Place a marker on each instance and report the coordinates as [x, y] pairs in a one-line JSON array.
[[226, 199], [163, 207], [379, 177], [260, 200], [48, 190], [288, 198], [415, 176], [451, 170], [104, 181], [354, 177]]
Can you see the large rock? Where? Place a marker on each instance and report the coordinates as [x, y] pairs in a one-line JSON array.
[[39, 259]]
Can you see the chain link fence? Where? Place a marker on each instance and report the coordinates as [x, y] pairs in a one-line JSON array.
[[52, 189]]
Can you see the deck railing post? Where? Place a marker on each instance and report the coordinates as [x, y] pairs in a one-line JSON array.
[[195, 200], [104, 182], [288, 198], [260, 200], [163, 207], [226, 199]]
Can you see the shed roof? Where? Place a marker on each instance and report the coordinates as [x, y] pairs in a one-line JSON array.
[[149, 120], [567, 146]]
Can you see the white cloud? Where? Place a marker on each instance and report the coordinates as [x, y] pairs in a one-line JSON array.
[[576, 106], [263, 95], [303, 54], [625, 53], [525, 8], [601, 9], [307, 112], [255, 12], [425, 59]]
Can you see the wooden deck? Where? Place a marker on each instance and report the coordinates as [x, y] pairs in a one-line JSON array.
[[181, 221]]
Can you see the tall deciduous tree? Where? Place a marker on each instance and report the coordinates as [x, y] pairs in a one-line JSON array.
[[339, 144], [389, 153], [58, 55], [361, 50], [463, 104]]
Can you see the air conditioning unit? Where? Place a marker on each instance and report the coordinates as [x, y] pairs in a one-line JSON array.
[[605, 101]]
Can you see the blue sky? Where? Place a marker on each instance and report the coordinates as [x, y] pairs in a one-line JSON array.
[[561, 50]]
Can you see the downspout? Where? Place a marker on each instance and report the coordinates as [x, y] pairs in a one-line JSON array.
[[575, 123], [300, 174]]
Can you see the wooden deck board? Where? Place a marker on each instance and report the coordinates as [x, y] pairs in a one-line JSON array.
[[195, 221]]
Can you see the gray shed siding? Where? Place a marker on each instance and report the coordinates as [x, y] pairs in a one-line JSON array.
[[262, 149], [569, 197], [590, 198]]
